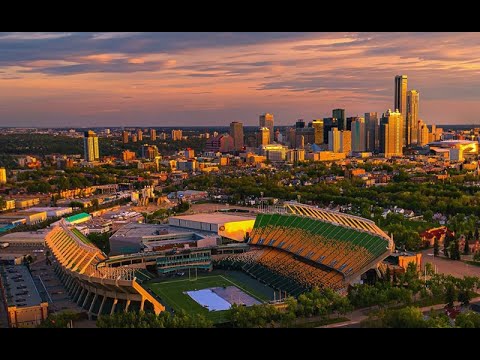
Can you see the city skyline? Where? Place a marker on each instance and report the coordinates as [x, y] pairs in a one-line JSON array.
[[212, 79]]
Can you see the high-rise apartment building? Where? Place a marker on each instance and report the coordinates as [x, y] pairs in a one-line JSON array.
[[90, 146], [358, 134], [371, 129], [149, 151], [413, 98], [128, 155], [266, 120], [134, 138], [339, 114], [400, 103], [236, 132], [153, 135], [125, 135], [3, 176], [392, 123], [177, 135], [140, 135], [263, 136]]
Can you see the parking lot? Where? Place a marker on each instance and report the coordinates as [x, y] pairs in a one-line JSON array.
[[451, 267]]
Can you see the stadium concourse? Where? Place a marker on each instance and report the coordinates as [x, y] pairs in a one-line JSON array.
[[298, 247], [99, 290]]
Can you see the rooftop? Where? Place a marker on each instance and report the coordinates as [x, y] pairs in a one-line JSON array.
[[25, 235], [77, 217], [20, 287], [215, 218], [136, 230]]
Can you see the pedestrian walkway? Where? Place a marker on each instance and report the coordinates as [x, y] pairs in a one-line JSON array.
[[358, 316]]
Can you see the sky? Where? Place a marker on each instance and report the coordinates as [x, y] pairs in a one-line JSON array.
[[93, 79]]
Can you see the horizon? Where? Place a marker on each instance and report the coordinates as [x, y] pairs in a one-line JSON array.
[[106, 80]]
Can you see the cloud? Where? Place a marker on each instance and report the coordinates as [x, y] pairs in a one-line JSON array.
[[297, 73], [33, 36], [110, 36]]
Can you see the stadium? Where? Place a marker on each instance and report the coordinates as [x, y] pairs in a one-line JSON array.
[[303, 246], [289, 250]]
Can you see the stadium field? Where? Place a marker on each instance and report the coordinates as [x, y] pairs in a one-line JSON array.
[[171, 293]]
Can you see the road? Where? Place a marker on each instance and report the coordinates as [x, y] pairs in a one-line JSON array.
[[359, 315]]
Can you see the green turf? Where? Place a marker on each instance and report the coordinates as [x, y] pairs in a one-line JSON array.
[[172, 294]]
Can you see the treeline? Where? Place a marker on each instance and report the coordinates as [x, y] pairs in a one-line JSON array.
[[150, 320]]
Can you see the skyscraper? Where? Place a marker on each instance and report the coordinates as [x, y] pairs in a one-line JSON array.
[[300, 124], [423, 134], [3, 176], [340, 141], [371, 129], [346, 142], [266, 120], [134, 138], [358, 134], [153, 134], [392, 122], [400, 104], [328, 124], [348, 122], [90, 146], [236, 131], [339, 114], [263, 136], [125, 137], [318, 131], [334, 140], [413, 98], [177, 135], [140, 135]]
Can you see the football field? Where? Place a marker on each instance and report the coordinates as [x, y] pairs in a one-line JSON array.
[[173, 293]]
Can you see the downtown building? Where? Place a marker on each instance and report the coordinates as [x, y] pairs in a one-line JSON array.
[[391, 133], [90, 146], [266, 121], [236, 132]]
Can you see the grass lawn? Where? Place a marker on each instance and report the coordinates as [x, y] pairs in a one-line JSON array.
[[172, 294]]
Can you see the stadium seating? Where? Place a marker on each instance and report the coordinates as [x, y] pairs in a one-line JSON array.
[[310, 247], [346, 250]]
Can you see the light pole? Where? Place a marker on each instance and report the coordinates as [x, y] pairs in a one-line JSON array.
[[261, 201]]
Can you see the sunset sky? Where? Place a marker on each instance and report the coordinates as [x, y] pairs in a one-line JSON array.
[[183, 79]]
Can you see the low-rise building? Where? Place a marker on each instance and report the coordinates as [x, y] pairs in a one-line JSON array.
[[24, 304]]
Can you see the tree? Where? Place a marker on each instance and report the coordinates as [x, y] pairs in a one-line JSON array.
[[408, 317], [450, 294], [428, 215], [469, 319], [466, 248], [388, 275], [455, 250], [446, 245], [60, 320], [476, 234], [429, 269], [435, 247]]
